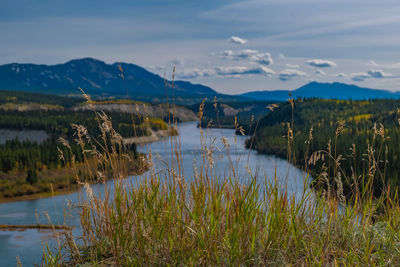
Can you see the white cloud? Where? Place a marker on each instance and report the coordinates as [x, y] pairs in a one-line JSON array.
[[230, 71], [237, 40], [321, 63], [372, 63], [393, 66], [178, 62], [195, 73], [289, 74], [377, 74], [249, 54], [359, 76], [320, 72], [240, 70], [156, 67], [340, 75], [292, 66], [227, 54]]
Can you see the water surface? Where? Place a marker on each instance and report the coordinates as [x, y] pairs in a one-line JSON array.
[[28, 245], [37, 136]]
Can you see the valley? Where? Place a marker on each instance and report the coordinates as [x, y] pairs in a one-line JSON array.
[[65, 145]]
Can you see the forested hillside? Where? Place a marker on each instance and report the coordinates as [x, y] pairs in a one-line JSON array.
[[355, 140], [99, 79], [217, 114], [28, 167]]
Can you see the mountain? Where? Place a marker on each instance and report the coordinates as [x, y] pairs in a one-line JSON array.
[[324, 90], [102, 80], [98, 79], [275, 95]]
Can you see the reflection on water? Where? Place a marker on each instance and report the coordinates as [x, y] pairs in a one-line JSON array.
[[28, 245]]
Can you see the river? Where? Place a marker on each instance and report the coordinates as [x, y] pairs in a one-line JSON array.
[[37, 136], [28, 245]]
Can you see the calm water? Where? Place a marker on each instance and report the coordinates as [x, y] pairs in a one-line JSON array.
[[33, 135], [28, 245]]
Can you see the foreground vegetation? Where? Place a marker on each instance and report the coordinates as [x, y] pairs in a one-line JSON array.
[[166, 219]]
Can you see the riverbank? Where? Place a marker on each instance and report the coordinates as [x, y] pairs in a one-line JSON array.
[[63, 180], [40, 195], [28, 244], [52, 182], [228, 215], [13, 227], [153, 137]]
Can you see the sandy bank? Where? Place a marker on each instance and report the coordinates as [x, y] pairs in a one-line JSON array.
[[155, 136]]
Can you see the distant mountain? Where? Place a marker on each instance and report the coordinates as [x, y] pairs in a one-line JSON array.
[[324, 90], [275, 95], [97, 79], [102, 80]]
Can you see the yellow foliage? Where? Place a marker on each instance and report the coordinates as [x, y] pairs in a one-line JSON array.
[[360, 117], [157, 124]]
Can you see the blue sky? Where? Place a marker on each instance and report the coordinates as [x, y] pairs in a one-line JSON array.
[[276, 44]]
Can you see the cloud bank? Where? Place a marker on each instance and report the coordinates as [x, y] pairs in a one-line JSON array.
[[340, 75], [230, 71], [377, 74], [289, 74], [196, 73], [238, 70], [373, 64], [321, 63], [292, 66], [250, 55]]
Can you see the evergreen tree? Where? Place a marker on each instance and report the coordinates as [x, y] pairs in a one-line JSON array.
[[31, 177]]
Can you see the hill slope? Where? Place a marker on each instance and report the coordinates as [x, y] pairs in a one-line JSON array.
[[358, 131], [324, 90], [97, 78]]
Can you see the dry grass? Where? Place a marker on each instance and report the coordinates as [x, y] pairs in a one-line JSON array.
[[165, 219]]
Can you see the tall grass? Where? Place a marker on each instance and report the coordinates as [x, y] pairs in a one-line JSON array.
[[166, 219]]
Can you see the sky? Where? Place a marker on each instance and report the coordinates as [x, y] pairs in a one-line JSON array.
[[232, 46]]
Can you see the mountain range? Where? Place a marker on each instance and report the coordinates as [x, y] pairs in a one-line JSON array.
[[122, 80], [324, 90], [98, 79]]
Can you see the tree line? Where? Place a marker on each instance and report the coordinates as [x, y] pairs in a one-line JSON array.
[[23, 155], [356, 140]]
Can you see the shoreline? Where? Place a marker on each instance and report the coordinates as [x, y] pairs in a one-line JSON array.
[[69, 189], [40, 195], [72, 188], [23, 227], [154, 137], [59, 192]]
